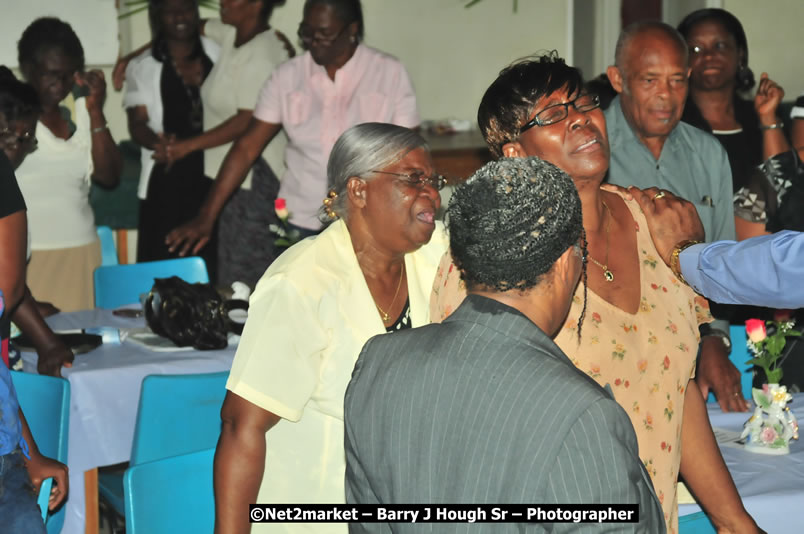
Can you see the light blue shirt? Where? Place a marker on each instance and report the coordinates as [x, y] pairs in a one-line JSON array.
[[763, 271], [692, 165]]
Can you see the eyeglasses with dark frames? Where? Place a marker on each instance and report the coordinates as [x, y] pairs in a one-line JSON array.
[[308, 35], [419, 180], [556, 113]]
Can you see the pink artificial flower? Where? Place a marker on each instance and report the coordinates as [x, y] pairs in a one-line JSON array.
[[755, 328], [281, 209], [768, 435]]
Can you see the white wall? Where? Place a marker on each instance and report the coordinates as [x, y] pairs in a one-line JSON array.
[[452, 53], [775, 40]]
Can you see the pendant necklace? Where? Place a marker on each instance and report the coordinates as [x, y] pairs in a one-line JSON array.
[[385, 316], [607, 274]]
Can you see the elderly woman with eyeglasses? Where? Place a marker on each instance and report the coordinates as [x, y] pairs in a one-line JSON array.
[[337, 83], [369, 272], [640, 321]]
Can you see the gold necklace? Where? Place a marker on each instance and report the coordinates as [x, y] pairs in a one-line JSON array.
[[607, 274], [385, 316]]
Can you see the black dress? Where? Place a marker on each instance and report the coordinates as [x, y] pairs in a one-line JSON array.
[[175, 194]]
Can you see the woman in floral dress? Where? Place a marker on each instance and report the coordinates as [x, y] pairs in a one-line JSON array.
[[633, 325]]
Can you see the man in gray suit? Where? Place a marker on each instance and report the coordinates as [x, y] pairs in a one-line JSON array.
[[484, 407]]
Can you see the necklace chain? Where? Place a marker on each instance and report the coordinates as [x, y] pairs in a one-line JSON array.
[[193, 96], [607, 274], [383, 314]]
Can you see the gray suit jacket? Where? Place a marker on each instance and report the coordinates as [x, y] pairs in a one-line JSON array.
[[485, 408]]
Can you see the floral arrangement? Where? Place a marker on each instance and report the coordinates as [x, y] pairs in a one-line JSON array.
[[773, 425], [766, 347], [286, 236]]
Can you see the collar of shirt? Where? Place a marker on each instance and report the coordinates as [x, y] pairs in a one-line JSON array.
[[346, 77]]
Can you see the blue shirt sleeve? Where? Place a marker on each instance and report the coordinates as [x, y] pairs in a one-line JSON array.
[[763, 271]]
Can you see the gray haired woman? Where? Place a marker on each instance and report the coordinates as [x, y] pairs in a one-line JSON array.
[[369, 272]]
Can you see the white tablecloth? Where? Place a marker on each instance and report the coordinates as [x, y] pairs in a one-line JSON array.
[[772, 487], [105, 390]]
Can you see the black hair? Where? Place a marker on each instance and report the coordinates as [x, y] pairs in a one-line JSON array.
[[18, 100], [347, 11], [45, 34], [745, 77], [509, 100], [159, 49], [511, 221]]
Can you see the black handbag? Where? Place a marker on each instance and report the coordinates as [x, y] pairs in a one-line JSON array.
[[191, 314]]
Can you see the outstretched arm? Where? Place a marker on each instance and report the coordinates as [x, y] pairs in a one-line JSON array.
[[192, 236]]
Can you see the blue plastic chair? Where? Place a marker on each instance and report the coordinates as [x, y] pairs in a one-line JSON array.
[[696, 523], [739, 355], [45, 401], [171, 495], [117, 285], [177, 414], [108, 248]]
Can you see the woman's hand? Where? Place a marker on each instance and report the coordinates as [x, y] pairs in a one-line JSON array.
[[95, 81], [119, 72], [769, 96], [160, 149], [169, 150], [53, 358], [190, 236], [40, 468]]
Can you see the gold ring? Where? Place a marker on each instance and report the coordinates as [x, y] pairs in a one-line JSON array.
[[660, 194]]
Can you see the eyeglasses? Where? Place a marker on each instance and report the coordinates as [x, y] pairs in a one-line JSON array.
[[720, 47], [558, 112], [11, 138], [419, 180], [308, 35]]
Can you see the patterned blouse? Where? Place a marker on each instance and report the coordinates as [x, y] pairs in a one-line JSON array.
[[647, 358]]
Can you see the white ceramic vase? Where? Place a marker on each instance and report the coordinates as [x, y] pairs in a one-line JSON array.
[[772, 426]]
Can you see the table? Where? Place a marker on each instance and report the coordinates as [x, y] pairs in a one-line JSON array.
[[772, 487], [458, 155], [104, 393]]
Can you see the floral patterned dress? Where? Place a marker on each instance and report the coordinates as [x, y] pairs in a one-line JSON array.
[[647, 358]]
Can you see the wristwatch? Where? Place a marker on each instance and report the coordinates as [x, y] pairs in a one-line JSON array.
[[706, 330], [675, 262]]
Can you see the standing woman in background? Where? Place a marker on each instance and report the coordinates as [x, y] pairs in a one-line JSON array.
[[250, 50], [163, 102], [75, 147], [337, 83]]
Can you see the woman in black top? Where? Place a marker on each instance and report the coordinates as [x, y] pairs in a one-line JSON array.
[[175, 190], [750, 132]]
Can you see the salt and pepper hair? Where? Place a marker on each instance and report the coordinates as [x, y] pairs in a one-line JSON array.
[[637, 28], [509, 100], [363, 148], [745, 76], [511, 221]]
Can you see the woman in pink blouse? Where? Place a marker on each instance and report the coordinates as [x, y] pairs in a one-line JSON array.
[[337, 83]]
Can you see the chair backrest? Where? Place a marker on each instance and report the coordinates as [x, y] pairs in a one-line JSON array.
[[117, 285], [739, 355], [171, 495], [45, 401], [178, 414], [108, 248], [696, 523]]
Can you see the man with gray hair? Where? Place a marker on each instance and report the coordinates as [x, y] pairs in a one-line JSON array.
[[650, 147], [484, 408]]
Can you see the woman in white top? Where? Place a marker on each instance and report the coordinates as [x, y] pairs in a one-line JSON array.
[[163, 102], [75, 147], [250, 50]]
